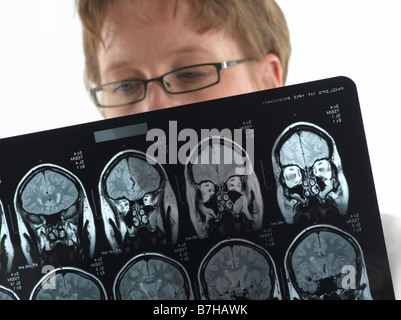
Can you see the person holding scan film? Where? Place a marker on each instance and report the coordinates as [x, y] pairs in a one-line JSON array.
[[146, 55]]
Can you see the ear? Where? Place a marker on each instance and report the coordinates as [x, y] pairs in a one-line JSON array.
[[271, 72]]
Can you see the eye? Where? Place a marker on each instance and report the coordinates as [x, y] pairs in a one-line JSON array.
[[70, 212], [193, 73], [150, 199], [207, 189], [187, 75], [292, 176], [206, 186], [191, 78], [123, 205], [322, 169], [234, 183], [128, 87], [35, 219]]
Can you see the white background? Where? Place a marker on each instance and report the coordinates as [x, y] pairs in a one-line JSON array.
[[41, 69]]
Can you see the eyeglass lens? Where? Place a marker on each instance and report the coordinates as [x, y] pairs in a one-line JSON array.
[[178, 81]]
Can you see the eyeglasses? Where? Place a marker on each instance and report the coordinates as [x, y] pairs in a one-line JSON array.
[[183, 80]]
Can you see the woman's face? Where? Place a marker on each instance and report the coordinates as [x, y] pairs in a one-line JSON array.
[[154, 41]]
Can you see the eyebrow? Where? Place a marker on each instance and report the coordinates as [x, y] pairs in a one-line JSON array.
[[125, 64], [188, 49], [118, 65]]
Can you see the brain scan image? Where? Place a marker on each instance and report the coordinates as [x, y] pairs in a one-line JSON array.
[[238, 270], [6, 247], [152, 277], [325, 263], [7, 294], [68, 284], [55, 221], [223, 192], [311, 185], [139, 208]]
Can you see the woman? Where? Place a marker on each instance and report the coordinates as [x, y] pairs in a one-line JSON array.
[[129, 42]]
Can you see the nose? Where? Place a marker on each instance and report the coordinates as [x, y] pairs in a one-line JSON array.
[[158, 98]]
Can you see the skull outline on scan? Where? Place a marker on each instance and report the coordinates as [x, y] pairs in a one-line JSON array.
[[223, 191], [310, 181], [55, 220], [139, 207], [326, 263]]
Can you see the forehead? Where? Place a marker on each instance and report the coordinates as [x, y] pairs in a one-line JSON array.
[[145, 38], [140, 14]]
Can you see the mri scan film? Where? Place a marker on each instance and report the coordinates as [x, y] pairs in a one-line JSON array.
[[261, 196]]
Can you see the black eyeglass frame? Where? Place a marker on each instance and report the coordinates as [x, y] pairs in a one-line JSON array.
[[219, 66]]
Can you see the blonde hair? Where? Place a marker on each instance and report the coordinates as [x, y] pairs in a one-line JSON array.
[[259, 25]]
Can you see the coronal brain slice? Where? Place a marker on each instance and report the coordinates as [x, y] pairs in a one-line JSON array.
[[318, 260], [152, 278], [237, 271], [55, 220], [131, 178], [71, 284], [311, 185], [326, 263], [139, 208], [48, 192], [222, 189]]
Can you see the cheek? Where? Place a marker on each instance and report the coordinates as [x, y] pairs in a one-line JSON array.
[[113, 113]]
